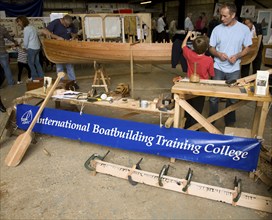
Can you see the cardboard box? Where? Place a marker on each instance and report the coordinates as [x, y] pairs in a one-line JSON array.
[[34, 84]]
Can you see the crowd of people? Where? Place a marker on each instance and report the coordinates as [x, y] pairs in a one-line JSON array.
[[29, 50], [162, 32], [217, 51], [228, 41]]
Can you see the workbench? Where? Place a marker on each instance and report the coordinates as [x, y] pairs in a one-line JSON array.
[[118, 103], [185, 90]]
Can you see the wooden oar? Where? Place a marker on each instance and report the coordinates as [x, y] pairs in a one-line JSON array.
[[23, 141]]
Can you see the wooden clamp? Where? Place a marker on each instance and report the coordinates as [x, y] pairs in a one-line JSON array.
[[196, 189]]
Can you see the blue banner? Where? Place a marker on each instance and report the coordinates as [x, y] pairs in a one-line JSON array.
[[220, 150]]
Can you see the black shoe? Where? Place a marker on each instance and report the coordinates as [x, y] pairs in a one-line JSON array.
[[76, 86]]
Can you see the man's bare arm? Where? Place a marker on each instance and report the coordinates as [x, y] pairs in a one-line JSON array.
[[49, 34], [221, 56]]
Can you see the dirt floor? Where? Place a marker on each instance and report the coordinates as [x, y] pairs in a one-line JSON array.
[[57, 186]]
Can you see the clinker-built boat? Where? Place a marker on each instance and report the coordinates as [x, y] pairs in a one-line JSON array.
[[77, 52]]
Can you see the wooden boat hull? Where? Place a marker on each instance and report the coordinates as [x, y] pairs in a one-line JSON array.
[[253, 51], [76, 52]]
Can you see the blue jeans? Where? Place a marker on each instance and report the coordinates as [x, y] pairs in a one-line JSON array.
[[4, 60], [69, 68], [34, 63], [219, 75]]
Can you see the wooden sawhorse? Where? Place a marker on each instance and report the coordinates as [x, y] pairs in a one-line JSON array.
[[100, 75]]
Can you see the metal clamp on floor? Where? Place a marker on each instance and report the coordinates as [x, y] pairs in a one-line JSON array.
[[189, 177], [238, 190], [137, 166], [163, 172], [95, 156]]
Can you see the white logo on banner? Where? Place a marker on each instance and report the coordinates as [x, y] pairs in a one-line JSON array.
[[26, 117]]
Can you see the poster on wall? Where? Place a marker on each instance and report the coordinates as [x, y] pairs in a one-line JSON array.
[[216, 12], [247, 11], [93, 27], [10, 25], [113, 26], [264, 18]]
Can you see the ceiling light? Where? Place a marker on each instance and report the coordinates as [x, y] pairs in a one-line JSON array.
[[147, 2]]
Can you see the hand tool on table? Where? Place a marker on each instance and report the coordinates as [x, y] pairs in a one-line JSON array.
[[23, 141], [93, 99]]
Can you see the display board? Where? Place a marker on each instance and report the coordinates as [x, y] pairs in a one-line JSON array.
[[16, 31], [112, 26], [264, 18], [248, 11], [108, 26], [93, 27]]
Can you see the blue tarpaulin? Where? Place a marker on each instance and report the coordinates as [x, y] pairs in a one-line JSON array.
[[30, 9]]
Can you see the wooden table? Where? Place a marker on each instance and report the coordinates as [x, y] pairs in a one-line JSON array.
[[184, 90], [130, 104]]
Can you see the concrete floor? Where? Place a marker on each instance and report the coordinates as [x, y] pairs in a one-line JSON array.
[[59, 187]]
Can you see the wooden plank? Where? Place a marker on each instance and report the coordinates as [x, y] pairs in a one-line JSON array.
[[207, 81], [131, 73], [216, 91], [256, 118], [198, 117], [131, 104], [177, 112], [262, 119], [169, 122], [196, 189], [240, 132]]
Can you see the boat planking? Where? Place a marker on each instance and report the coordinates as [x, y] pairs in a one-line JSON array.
[[83, 52], [80, 52]]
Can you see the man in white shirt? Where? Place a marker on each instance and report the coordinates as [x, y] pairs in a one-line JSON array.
[[188, 24], [161, 28]]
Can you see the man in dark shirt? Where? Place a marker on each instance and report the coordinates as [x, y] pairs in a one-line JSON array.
[[63, 29]]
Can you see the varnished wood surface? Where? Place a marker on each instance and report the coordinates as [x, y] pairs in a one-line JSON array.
[[131, 104], [253, 51], [221, 91], [76, 52]]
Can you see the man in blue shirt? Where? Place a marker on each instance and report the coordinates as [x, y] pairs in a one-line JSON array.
[[228, 43], [63, 29]]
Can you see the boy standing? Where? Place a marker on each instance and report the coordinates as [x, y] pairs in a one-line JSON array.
[[204, 69]]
